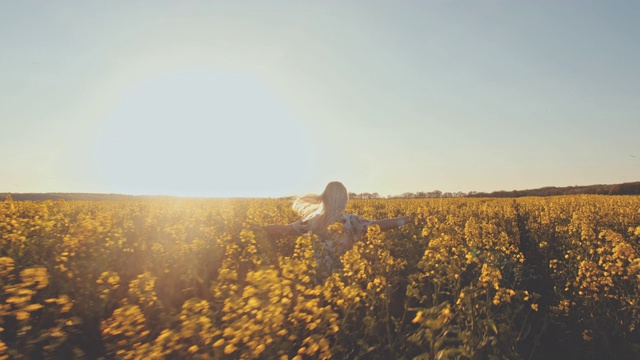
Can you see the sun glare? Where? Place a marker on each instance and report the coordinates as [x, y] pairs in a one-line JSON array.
[[201, 133]]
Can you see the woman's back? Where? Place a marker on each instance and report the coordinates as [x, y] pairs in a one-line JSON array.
[[335, 232], [336, 240]]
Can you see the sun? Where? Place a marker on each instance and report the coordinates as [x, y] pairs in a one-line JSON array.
[[202, 133]]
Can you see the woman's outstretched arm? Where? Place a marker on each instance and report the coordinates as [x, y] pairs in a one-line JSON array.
[[392, 223], [280, 229]]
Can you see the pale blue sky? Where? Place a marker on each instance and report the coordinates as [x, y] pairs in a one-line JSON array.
[[217, 98]]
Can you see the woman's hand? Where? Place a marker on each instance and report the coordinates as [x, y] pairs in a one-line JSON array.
[[404, 220]]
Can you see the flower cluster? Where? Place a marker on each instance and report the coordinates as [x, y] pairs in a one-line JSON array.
[[174, 279]]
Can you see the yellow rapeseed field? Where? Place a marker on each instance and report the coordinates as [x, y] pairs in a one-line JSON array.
[[199, 279]]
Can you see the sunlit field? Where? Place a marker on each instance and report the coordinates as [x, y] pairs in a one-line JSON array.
[[538, 278]]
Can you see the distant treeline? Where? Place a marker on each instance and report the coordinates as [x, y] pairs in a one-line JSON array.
[[631, 188]]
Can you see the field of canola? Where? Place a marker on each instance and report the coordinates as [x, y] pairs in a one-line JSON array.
[[198, 279]]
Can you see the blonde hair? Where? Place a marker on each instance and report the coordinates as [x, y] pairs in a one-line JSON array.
[[324, 209]]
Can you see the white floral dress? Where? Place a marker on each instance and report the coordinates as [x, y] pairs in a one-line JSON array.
[[329, 248]]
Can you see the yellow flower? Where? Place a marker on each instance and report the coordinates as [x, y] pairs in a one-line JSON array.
[[7, 265], [490, 275], [218, 343], [418, 317], [22, 315], [32, 307], [230, 349]]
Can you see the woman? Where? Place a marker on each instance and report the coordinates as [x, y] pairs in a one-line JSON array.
[[318, 212]]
